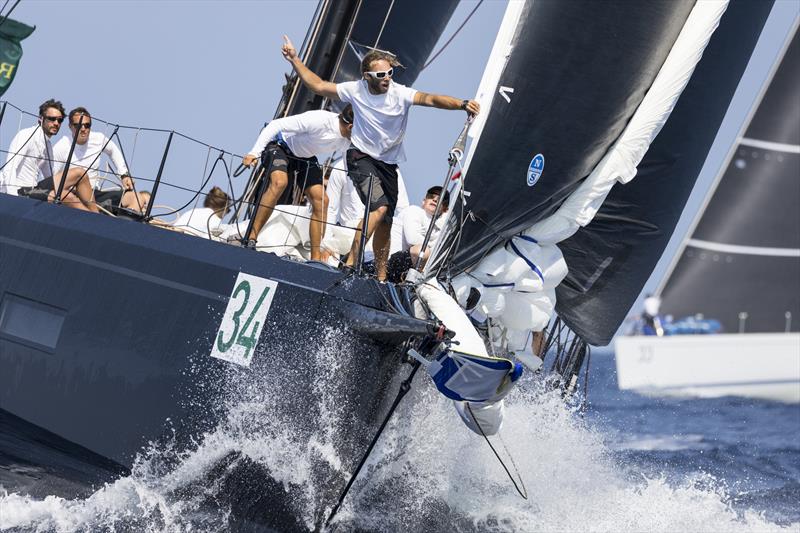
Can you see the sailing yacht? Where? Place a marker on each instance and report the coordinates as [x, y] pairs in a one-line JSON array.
[[739, 265], [546, 221]]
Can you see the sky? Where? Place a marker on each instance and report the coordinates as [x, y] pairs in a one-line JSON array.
[[213, 70]]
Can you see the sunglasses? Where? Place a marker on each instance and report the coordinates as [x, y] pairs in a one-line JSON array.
[[380, 74], [85, 125], [54, 119]]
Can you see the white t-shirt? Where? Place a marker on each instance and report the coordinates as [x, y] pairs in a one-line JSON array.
[[88, 155], [29, 156], [308, 134], [199, 221], [380, 119], [414, 223]]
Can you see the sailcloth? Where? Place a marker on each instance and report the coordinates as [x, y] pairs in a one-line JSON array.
[[511, 255]]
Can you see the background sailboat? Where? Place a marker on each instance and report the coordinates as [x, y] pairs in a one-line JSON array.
[[739, 264]]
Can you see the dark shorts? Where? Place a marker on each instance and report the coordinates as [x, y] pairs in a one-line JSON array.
[[360, 167], [303, 172], [399, 264], [109, 197], [40, 191]]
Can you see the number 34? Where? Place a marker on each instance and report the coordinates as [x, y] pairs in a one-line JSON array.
[[243, 339]]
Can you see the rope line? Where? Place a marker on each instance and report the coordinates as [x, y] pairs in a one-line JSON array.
[[524, 491], [431, 60], [9, 11]]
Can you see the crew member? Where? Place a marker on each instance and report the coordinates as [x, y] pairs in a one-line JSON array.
[[290, 146], [381, 114], [89, 147]]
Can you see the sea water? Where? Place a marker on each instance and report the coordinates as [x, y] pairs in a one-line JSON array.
[[625, 463]]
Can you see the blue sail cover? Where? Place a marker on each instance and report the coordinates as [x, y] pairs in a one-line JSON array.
[[472, 378]]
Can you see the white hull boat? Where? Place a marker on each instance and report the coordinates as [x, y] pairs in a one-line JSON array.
[[764, 366]]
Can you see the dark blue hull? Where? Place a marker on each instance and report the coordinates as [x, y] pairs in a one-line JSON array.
[[131, 313]]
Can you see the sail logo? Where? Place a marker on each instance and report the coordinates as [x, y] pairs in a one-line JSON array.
[[535, 169]]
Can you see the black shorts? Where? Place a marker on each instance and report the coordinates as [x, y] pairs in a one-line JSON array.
[[40, 191], [303, 172], [399, 264], [360, 167]]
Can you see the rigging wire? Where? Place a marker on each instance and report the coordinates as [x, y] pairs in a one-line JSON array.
[[431, 60], [5, 17], [386, 18], [524, 491], [4, 8]]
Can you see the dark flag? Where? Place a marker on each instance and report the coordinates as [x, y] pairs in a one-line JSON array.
[[11, 33]]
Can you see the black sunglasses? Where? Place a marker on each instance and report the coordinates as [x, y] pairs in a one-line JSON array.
[[85, 125], [54, 119]]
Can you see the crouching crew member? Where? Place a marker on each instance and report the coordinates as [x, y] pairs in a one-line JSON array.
[[290, 147]]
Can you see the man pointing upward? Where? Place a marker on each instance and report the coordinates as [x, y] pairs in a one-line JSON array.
[[380, 109]]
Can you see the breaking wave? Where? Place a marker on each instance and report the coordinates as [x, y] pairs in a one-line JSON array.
[[428, 472]]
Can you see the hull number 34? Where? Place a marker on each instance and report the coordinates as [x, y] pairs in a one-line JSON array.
[[244, 319]]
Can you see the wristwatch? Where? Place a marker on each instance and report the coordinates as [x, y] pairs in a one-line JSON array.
[[464, 104]]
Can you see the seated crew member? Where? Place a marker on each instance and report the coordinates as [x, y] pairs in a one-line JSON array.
[[205, 221], [89, 147], [30, 157], [381, 114], [291, 146], [415, 222]]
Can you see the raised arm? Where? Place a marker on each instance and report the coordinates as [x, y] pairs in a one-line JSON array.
[[311, 80], [441, 101]]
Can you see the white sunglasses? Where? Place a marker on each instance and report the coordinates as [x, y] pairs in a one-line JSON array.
[[380, 74]]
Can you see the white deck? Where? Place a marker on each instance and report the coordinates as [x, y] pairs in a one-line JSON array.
[[765, 366]]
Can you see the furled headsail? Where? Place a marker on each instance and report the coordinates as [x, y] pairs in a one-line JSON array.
[[568, 114], [747, 237]]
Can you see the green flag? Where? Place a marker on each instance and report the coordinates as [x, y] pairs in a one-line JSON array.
[[11, 33]]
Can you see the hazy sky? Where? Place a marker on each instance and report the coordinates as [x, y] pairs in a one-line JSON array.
[[213, 70]]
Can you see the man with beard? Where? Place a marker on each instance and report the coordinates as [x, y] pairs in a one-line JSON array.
[[381, 113]]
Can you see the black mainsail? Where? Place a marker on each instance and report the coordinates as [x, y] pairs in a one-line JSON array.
[[746, 241], [567, 103], [558, 99], [611, 259]]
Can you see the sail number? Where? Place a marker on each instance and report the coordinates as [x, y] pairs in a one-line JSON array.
[[244, 319]]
